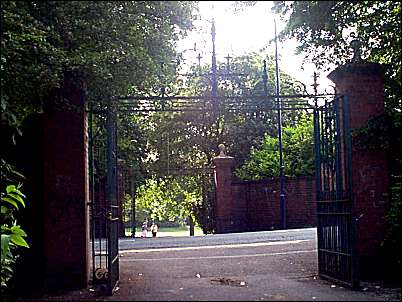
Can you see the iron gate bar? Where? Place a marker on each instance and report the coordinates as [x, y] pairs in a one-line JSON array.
[[338, 137], [279, 110], [193, 106], [194, 110], [92, 189], [111, 191], [198, 97], [336, 245], [354, 221], [331, 148]]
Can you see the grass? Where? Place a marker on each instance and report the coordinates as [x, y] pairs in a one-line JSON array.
[[169, 231]]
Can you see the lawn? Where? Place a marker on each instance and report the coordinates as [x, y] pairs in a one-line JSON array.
[[169, 231]]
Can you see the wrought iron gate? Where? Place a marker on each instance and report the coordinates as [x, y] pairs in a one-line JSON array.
[[336, 255], [103, 197], [335, 222], [111, 193]]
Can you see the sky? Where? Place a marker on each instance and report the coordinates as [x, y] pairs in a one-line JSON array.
[[248, 30]]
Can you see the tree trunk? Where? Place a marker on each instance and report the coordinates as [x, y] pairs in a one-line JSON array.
[[191, 226]]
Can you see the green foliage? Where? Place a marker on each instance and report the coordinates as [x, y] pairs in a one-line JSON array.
[[107, 47], [325, 29], [167, 199], [298, 153], [30, 62], [392, 241], [12, 236], [127, 211], [247, 127], [380, 132]]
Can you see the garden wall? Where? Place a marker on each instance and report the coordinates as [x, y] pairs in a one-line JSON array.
[[255, 206]]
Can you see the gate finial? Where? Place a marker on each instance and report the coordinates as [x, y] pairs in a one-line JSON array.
[[222, 150], [315, 85]]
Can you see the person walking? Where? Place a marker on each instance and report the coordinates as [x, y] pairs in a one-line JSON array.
[[154, 229], [144, 229]]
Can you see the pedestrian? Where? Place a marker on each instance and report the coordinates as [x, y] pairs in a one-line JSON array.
[[144, 229], [154, 229]]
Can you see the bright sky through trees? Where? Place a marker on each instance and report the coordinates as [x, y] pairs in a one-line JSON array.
[[250, 29]]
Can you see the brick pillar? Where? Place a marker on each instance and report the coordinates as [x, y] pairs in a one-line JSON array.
[[66, 228], [224, 200], [364, 86]]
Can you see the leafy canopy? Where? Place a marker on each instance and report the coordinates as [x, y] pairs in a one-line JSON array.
[[325, 29], [106, 46], [298, 153]]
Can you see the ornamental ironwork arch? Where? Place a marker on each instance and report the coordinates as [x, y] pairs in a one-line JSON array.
[[175, 98]]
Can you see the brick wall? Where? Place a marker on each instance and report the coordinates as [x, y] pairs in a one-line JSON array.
[[257, 206], [254, 205]]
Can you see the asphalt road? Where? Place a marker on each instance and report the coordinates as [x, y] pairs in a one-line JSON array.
[[258, 266], [218, 239]]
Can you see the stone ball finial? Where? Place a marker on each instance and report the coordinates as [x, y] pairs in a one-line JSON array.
[[356, 46], [222, 150]]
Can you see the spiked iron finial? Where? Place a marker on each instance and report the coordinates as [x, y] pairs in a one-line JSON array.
[[228, 57], [315, 84]]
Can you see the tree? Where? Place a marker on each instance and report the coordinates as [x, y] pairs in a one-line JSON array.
[[168, 199], [298, 153], [107, 47], [191, 137], [325, 29]]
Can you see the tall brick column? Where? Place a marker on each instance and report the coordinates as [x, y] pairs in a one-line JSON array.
[[363, 84], [65, 183], [224, 200]]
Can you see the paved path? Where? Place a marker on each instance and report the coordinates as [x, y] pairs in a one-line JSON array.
[[218, 239], [263, 266]]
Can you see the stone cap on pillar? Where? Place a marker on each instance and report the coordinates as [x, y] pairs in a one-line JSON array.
[[222, 150], [222, 158], [353, 70]]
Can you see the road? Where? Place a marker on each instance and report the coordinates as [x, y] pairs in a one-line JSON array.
[[272, 265], [218, 239], [257, 266]]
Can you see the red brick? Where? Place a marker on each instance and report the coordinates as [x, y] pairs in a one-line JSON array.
[[66, 225], [364, 84]]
